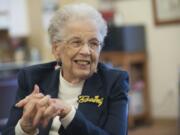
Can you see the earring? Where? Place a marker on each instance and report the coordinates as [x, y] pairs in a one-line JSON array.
[[58, 65]]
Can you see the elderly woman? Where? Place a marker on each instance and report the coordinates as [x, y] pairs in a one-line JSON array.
[[76, 95]]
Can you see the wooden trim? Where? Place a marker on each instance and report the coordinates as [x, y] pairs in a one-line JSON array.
[[172, 121]]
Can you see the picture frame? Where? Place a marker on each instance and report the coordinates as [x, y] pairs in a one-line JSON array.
[[166, 11]]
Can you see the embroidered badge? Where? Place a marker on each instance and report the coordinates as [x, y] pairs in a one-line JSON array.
[[87, 99]]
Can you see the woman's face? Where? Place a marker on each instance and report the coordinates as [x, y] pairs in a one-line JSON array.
[[79, 50]]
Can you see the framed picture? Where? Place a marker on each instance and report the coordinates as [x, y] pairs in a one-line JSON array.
[[166, 11]]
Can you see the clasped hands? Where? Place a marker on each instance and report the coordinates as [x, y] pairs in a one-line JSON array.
[[38, 109]]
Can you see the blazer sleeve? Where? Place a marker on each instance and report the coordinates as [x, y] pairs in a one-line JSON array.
[[116, 122], [16, 113]]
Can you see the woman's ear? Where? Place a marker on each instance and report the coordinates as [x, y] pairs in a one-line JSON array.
[[56, 51]]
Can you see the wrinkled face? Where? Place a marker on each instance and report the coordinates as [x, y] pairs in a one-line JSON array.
[[79, 50]]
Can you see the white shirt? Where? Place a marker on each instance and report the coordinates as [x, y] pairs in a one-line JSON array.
[[68, 93]]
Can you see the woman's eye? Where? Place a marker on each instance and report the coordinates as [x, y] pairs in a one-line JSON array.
[[76, 43], [94, 44]]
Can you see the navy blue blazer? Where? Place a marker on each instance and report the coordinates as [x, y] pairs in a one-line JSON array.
[[103, 103]]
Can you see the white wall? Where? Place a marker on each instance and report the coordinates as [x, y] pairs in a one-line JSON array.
[[163, 47]]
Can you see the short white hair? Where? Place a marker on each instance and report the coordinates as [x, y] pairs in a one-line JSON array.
[[75, 12]]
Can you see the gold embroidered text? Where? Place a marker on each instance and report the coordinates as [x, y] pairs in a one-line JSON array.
[[88, 99]]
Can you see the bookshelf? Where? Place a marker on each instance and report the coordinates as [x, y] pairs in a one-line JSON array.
[[136, 65]]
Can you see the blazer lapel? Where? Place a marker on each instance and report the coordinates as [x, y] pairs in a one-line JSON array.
[[51, 85], [92, 88], [92, 85]]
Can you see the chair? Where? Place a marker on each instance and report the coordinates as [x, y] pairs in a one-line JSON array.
[[8, 88]]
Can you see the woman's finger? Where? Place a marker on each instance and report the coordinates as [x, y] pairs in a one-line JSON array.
[[35, 94], [29, 112], [44, 101], [38, 116], [36, 89], [50, 111], [24, 101]]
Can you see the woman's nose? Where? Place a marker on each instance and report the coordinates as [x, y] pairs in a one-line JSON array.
[[85, 50]]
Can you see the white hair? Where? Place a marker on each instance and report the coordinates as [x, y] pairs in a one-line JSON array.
[[75, 12]]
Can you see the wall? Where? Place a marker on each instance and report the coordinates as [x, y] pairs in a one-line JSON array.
[[91, 2], [163, 47], [36, 37]]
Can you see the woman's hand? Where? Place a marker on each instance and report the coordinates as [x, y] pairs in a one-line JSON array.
[[39, 109], [57, 107], [31, 110]]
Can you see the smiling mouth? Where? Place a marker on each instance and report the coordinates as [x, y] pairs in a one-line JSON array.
[[82, 62]]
